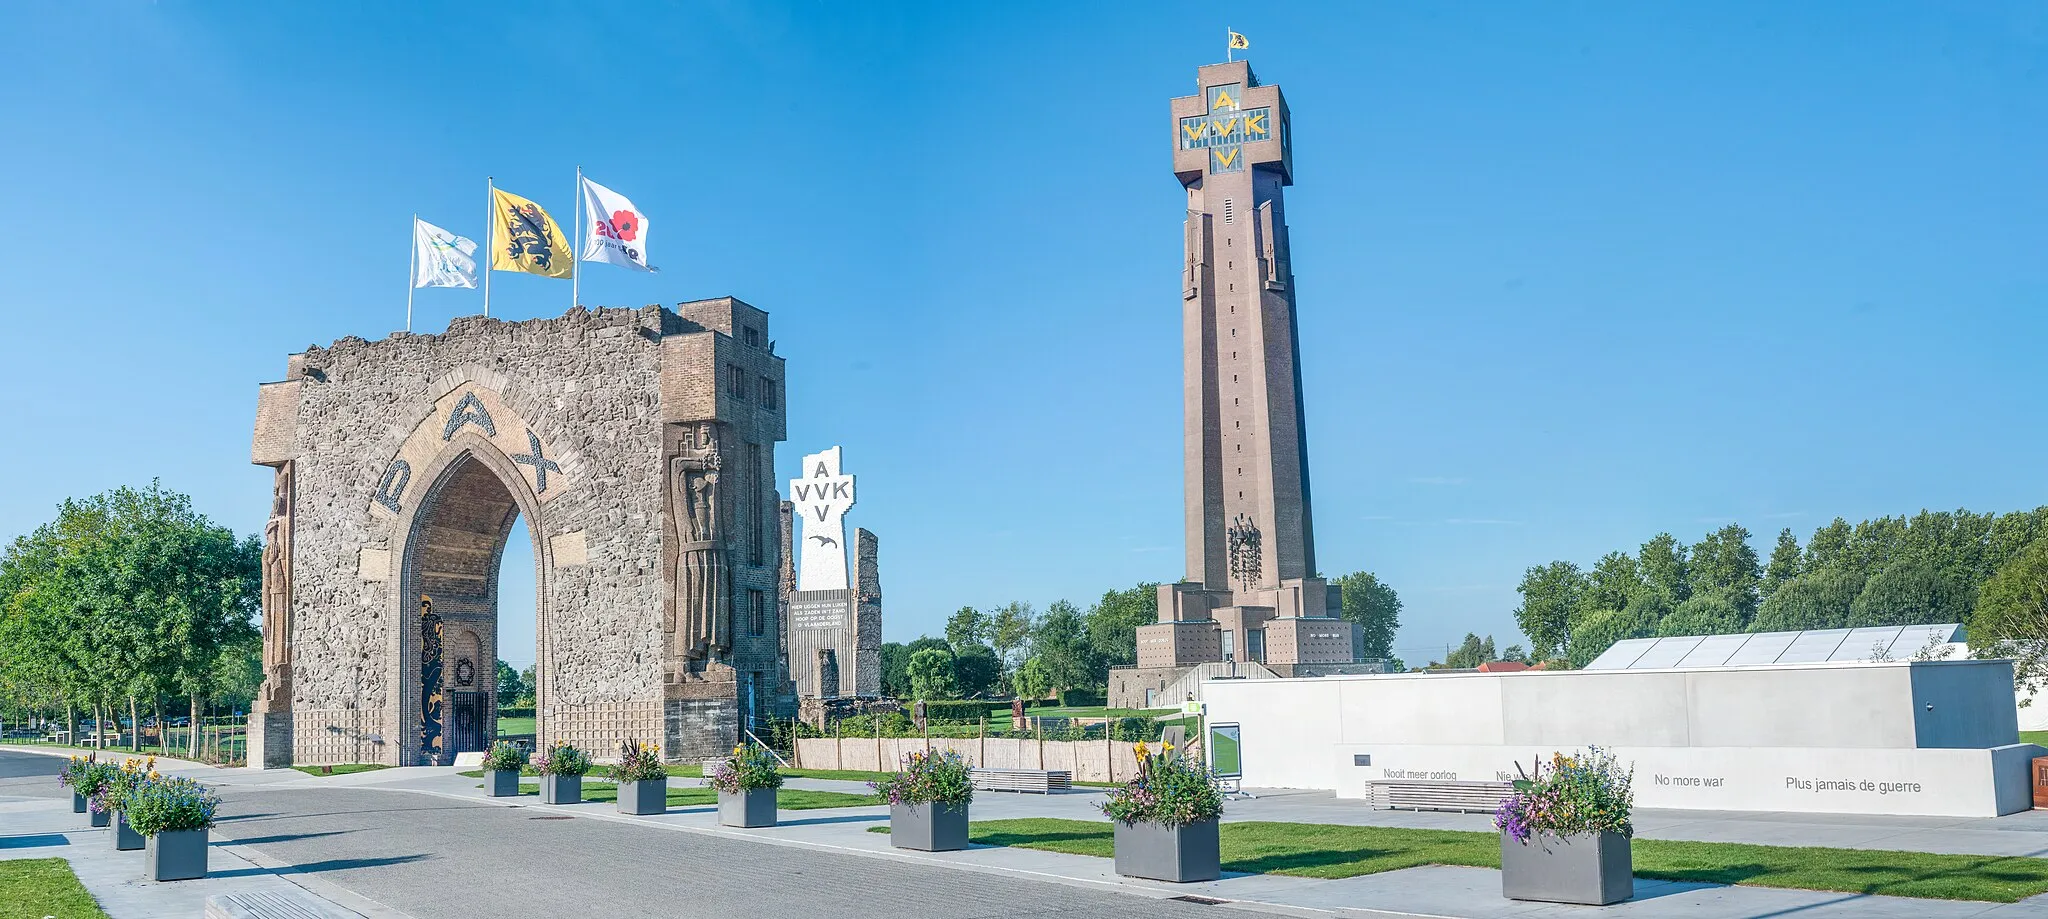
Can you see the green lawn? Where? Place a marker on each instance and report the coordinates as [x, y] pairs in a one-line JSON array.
[[516, 725], [42, 888], [344, 769], [2034, 737], [1325, 851], [789, 799]]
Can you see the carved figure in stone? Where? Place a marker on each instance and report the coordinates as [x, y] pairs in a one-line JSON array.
[[703, 599], [277, 594]]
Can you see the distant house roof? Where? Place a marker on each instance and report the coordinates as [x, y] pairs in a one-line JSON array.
[[1502, 667], [1749, 649]]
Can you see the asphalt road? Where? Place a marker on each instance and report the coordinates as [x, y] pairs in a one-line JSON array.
[[435, 857], [28, 775]]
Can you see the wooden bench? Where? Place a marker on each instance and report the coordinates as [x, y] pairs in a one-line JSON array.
[[1463, 797], [1041, 781]]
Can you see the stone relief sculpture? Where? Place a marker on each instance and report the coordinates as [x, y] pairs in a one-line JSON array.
[[277, 595], [703, 603]]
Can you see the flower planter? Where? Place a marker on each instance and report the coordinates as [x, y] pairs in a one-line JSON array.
[[647, 796], [753, 807], [561, 789], [1593, 869], [125, 837], [102, 818], [1168, 853], [175, 855], [77, 803], [501, 783], [928, 827]]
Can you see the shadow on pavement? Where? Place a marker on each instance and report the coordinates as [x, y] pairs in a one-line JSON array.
[[282, 837], [33, 841], [850, 818], [332, 864]]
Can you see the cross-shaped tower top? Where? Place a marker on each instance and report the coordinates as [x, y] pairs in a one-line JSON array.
[[1233, 125]]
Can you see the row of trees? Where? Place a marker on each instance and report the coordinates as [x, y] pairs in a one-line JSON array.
[[1930, 568], [1016, 649], [128, 598]]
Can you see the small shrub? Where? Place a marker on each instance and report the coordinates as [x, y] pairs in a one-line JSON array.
[[928, 777], [1583, 793], [87, 776], [1170, 790], [748, 768], [561, 759], [960, 711], [166, 805], [638, 762], [505, 756]]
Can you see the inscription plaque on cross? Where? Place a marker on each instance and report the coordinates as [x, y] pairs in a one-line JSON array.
[[1226, 127], [822, 496]]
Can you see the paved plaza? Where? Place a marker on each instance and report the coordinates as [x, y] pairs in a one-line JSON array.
[[423, 842]]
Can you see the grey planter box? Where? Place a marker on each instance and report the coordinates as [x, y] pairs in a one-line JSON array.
[[501, 783], [648, 796], [1593, 869], [102, 818], [753, 807], [561, 789], [77, 803], [125, 837], [1168, 853], [175, 855], [928, 827]]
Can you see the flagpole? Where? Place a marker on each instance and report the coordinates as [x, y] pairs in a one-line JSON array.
[[1229, 47], [576, 241], [412, 269], [490, 237]]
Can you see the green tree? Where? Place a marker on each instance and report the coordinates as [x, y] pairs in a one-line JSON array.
[[508, 684], [1814, 600], [1912, 592], [1060, 640], [1614, 580], [1470, 653], [1032, 681], [895, 664], [1113, 626], [1702, 614], [2011, 618], [1829, 545], [966, 627], [931, 675], [1725, 564], [1783, 566], [976, 671], [1551, 594], [1601, 629], [1009, 629], [529, 686], [1375, 607], [1663, 563]]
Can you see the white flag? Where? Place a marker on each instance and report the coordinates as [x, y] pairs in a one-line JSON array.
[[441, 258], [617, 232]]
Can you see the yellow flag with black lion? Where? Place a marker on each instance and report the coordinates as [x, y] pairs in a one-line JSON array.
[[525, 238]]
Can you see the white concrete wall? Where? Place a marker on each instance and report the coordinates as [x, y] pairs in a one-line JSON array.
[[1838, 738]]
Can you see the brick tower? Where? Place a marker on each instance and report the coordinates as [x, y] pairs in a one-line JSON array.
[[1252, 591]]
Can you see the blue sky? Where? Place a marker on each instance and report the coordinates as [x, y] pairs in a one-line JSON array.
[[1569, 273]]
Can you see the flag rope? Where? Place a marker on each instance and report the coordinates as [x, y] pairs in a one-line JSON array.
[[490, 237]]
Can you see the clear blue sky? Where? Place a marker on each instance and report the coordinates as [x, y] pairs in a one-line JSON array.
[[1569, 273]]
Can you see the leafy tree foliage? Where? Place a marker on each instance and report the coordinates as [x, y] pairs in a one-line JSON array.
[[1815, 600], [508, 684], [1702, 614], [1724, 565], [1009, 631], [1551, 595], [1113, 626], [1470, 653], [1060, 641], [931, 674], [1912, 592], [966, 627], [1783, 566], [1032, 681], [976, 671], [1375, 607], [1599, 630], [1664, 567], [2011, 618]]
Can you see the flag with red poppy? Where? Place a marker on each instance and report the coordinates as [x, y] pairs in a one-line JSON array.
[[614, 231]]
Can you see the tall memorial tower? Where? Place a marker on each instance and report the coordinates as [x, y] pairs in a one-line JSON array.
[[1251, 592]]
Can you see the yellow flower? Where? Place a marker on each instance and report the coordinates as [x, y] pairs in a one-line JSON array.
[[738, 750], [1141, 750]]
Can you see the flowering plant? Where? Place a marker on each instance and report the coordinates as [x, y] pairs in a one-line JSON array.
[[1170, 790], [746, 769], [928, 777], [121, 783], [505, 756], [86, 776], [164, 805], [561, 759], [1583, 793], [638, 762]]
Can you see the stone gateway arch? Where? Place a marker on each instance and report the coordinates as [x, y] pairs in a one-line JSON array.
[[639, 448]]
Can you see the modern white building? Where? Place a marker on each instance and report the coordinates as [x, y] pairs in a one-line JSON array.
[[1873, 737]]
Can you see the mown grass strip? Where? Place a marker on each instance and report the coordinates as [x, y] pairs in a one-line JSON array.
[[37, 888]]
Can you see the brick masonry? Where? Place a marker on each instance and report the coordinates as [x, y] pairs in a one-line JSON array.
[[408, 459]]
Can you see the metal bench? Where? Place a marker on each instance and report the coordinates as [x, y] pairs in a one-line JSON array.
[[1041, 781], [1462, 797]]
